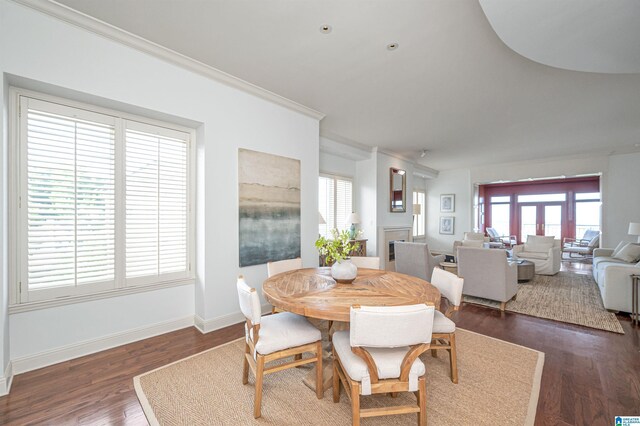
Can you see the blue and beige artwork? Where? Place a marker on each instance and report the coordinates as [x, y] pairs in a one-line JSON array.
[[269, 200]]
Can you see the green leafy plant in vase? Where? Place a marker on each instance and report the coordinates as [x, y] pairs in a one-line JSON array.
[[336, 251]]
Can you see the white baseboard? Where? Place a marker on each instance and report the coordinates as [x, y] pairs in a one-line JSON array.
[[206, 326], [6, 380], [65, 353]]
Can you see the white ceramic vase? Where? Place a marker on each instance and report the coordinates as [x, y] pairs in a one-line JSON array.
[[344, 271]]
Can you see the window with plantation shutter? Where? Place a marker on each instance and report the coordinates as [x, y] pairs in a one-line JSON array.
[[156, 201], [102, 200], [335, 203]]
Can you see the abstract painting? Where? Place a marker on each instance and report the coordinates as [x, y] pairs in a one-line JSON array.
[[269, 204]]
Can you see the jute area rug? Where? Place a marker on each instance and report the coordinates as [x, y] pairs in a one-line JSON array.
[[566, 297], [499, 383]]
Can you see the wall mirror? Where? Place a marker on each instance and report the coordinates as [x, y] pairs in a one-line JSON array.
[[398, 191]]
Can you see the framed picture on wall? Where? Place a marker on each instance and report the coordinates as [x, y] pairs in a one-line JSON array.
[[447, 203], [447, 224]]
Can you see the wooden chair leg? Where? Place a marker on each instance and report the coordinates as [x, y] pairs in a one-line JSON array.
[[245, 365], [422, 401], [434, 353], [355, 403], [319, 376], [259, 376], [453, 358], [502, 306], [329, 330], [336, 380]]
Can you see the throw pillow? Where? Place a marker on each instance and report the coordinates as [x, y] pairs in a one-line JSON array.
[[620, 246], [630, 253]]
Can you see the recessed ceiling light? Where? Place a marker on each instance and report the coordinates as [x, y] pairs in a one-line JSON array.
[[392, 46], [325, 29]]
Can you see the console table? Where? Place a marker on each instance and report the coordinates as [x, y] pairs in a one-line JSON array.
[[359, 251]]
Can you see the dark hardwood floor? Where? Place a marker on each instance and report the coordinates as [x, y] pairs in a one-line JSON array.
[[589, 376]]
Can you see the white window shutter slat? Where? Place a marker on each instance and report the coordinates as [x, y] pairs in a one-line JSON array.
[[156, 203], [70, 213]]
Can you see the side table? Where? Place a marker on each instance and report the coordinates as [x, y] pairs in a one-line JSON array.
[[526, 270]]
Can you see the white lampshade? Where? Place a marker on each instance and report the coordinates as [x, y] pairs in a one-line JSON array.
[[634, 228], [417, 209], [321, 220], [353, 218]]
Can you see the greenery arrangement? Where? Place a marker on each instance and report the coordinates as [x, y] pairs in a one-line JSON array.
[[336, 249]]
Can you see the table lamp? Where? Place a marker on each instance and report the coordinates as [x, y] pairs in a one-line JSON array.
[[634, 229], [353, 219]]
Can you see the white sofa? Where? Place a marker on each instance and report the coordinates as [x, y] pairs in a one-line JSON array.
[[544, 252], [614, 279]]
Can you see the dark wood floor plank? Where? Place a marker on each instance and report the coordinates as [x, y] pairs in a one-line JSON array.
[[589, 377]]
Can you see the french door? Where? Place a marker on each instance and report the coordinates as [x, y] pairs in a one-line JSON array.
[[541, 219]]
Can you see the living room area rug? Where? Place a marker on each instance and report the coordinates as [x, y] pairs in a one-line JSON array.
[[565, 297], [499, 383]]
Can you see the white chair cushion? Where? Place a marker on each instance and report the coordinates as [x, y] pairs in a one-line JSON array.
[[629, 253], [283, 331], [388, 361], [533, 255], [579, 250], [442, 324]]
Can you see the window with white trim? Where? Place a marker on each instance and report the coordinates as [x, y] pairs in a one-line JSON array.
[[419, 220], [335, 203], [103, 200]]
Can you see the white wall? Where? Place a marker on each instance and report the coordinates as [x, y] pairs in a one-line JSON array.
[[4, 290], [621, 198], [42, 48], [337, 165], [366, 193], [455, 182]]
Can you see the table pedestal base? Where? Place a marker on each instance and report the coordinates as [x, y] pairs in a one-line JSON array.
[[327, 358]]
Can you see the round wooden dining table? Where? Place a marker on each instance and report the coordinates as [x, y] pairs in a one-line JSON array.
[[313, 293]]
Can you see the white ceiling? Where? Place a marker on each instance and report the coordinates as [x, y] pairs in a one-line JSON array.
[[579, 35], [451, 87]]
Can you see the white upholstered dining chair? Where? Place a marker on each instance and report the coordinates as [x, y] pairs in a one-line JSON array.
[[444, 330], [370, 262], [274, 268], [280, 266], [275, 337], [380, 355]]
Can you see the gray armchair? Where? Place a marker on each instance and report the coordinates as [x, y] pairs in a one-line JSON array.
[[415, 259], [488, 274]]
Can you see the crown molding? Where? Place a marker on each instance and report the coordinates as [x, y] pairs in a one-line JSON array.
[[346, 150], [425, 172], [91, 24]]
